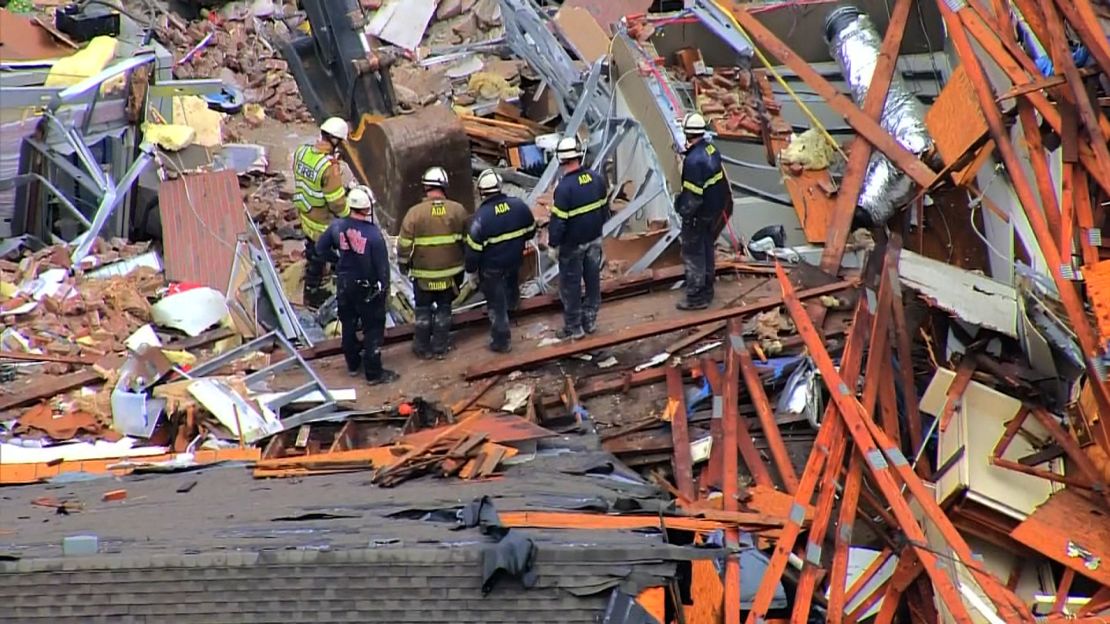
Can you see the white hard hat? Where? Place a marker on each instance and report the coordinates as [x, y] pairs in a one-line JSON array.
[[568, 149], [360, 198], [489, 183], [693, 124], [435, 177], [336, 127]]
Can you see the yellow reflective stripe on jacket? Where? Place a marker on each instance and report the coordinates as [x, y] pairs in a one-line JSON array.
[[698, 190], [507, 236], [473, 245], [308, 175], [335, 195], [430, 241], [690, 186], [435, 274], [312, 229], [566, 214]]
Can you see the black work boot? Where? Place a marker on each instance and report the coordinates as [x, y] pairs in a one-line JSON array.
[[500, 343], [384, 377], [441, 332], [570, 333], [686, 304], [422, 334]]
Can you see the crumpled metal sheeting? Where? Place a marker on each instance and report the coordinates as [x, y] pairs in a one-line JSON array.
[[855, 44]]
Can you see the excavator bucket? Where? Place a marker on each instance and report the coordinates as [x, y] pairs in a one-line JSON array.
[[390, 154]]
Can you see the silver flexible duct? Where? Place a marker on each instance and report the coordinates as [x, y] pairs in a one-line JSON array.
[[854, 43]]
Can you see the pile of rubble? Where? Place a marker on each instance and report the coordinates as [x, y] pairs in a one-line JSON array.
[[233, 44]]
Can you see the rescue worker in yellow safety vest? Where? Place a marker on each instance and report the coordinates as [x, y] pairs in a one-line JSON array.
[[430, 249], [319, 197]]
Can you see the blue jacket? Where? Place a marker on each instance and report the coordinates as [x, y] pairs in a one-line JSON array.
[[500, 228], [581, 208], [704, 189], [362, 250]]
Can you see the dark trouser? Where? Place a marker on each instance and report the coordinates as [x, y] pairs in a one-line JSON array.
[[502, 293], [361, 307], [699, 258], [580, 264], [314, 269], [432, 333]]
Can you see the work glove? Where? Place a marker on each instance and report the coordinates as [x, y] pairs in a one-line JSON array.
[[553, 255], [470, 280]]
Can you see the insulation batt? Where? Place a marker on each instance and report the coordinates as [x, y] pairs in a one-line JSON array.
[[854, 43]]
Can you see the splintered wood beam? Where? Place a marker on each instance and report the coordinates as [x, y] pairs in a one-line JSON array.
[[743, 442], [831, 429], [711, 474], [680, 434], [826, 499], [767, 421], [884, 462], [1085, 216], [955, 395], [866, 126], [731, 426], [1038, 159], [904, 346], [838, 576], [859, 153], [1068, 295]]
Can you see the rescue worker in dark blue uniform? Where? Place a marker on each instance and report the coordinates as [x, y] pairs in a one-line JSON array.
[[500, 229], [362, 287], [700, 205], [580, 210]]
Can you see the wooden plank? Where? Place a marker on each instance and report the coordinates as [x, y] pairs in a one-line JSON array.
[[21, 474], [46, 387], [607, 522], [838, 575], [680, 434], [1038, 158], [733, 438], [537, 357], [1066, 521], [767, 421]]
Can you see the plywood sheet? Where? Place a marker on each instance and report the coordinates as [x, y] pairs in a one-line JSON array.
[[202, 215], [609, 12], [583, 33], [1069, 519], [22, 40], [956, 122]]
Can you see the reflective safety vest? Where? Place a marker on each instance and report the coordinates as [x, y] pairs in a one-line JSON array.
[[309, 169]]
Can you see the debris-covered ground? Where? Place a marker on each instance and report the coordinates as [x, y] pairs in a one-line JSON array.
[[893, 411]]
